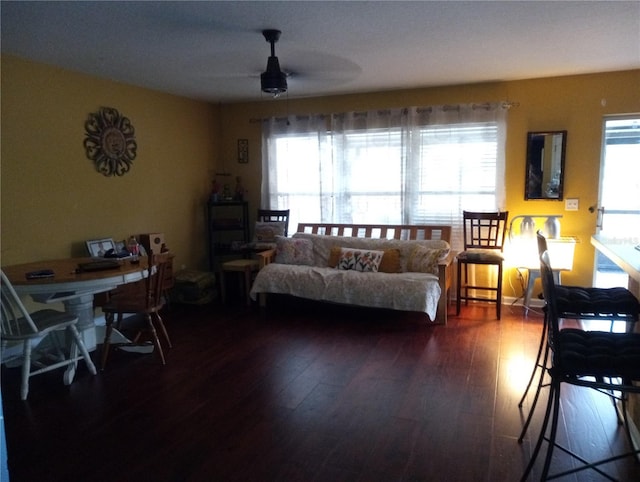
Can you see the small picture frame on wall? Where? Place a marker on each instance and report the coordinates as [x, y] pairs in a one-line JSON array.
[[243, 151], [98, 247]]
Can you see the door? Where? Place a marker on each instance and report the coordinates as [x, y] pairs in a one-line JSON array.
[[619, 192]]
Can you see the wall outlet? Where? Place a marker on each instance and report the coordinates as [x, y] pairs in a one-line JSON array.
[[571, 204]]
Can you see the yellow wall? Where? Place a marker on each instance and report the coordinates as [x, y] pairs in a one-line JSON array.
[[53, 199]]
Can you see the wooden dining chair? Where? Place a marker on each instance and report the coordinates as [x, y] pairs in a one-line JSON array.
[[275, 215], [249, 266], [19, 326], [145, 298], [484, 235]]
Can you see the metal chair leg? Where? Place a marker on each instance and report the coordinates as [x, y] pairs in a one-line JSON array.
[[541, 346], [541, 384], [542, 436]]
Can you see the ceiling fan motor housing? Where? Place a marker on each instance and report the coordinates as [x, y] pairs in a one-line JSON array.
[[273, 80]]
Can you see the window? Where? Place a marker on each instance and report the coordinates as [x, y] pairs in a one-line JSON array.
[[377, 168], [457, 170], [619, 204], [620, 182]]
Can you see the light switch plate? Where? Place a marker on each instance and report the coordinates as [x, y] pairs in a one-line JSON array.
[[571, 204]]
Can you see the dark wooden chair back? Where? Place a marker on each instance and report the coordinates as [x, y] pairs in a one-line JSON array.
[[484, 230], [274, 215]]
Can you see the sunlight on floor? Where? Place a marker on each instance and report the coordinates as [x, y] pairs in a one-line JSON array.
[[518, 372]]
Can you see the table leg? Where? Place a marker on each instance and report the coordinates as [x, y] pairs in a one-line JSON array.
[[534, 274], [82, 307]]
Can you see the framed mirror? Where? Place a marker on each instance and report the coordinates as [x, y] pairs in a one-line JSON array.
[[545, 165]]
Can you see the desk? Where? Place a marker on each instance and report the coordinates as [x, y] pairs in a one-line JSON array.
[[74, 290], [624, 255]]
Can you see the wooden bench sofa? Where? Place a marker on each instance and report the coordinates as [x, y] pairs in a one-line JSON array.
[[384, 236]]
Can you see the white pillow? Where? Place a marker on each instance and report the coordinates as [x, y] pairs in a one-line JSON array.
[[294, 251], [425, 260], [266, 232]]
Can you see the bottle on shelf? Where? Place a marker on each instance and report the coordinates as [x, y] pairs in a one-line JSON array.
[[134, 249]]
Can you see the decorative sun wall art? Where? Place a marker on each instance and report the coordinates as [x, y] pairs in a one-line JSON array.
[[110, 141]]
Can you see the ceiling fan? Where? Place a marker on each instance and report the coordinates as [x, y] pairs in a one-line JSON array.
[[273, 80], [308, 72]]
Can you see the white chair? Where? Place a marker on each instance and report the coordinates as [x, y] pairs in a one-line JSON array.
[[18, 325]]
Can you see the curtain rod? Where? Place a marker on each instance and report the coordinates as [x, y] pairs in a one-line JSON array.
[[483, 105]]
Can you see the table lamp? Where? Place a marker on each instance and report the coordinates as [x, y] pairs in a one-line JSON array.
[[522, 249]]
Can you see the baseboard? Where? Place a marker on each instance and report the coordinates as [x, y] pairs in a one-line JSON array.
[[511, 301]]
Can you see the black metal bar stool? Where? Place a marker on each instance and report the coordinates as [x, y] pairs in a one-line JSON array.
[[603, 361], [575, 302]]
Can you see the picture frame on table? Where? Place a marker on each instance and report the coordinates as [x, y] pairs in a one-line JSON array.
[[98, 247]]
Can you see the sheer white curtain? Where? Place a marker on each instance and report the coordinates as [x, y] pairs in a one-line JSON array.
[[294, 160], [369, 168], [457, 163], [413, 165]]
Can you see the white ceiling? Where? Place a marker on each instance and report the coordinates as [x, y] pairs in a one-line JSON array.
[[215, 51]]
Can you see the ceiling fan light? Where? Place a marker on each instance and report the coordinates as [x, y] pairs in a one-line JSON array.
[[273, 80]]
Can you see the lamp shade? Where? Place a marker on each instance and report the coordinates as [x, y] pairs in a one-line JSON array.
[[527, 227], [551, 227], [522, 252]]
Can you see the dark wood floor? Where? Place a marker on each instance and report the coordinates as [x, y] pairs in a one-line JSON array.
[[312, 392]]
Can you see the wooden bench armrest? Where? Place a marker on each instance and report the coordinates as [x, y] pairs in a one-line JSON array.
[[266, 257], [445, 277], [444, 268]]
